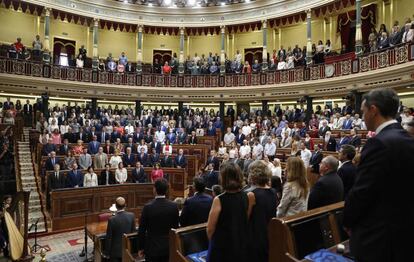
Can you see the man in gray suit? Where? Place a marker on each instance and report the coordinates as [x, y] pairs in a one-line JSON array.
[[100, 159], [122, 223], [85, 160]]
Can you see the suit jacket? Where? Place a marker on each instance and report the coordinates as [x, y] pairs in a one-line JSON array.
[[327, 190], [129, 160], [47, 148], [157, 146], [85, 161], [50, 165], [192, 140], [93, 147], [331, 145], [355, 141], [347, 124], [55, 183], [99, 161], [211, 178], [157, 219], [239, 139], [122, 223], [74, 179], [115, 136], [139, 176], [71, 137], [182, 138], [109, 150], [379, 208], [166, 162], [215, 161], [102, 137], [342, 141], [211, 131], [347, 173], [196, 209], [102, 178], [63, 149], [84, 137], [27, 109], [154, 158], [137, 137], [315, 160], [144, 160], [180, 162], [322, 131]]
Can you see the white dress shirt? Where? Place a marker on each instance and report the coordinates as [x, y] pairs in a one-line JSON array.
[[229, 138], [160, 136], [121, 175], [258, 151], [246, 130], [244, 150], [305, 155], [270, 149]]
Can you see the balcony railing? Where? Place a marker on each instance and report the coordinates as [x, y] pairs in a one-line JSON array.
[[342, 66]]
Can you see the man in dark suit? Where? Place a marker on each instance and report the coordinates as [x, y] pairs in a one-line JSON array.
[[355, 140], [192, 140], [230, 112], [103, 136], [181, 137], [316, 159], [196, 208], [157, 219], [138, 174], [143, 158], [107, 176], [344, 140], [347, 124], [137, 136], [115, 135], [64, 148], [325, 128], [108, 149], [180, 161], [347, 170], [379, 210], [27, 113], [330, 142], [82, 135], [70, 136], [329, 188], [154, 158], [55, 180], [210, 176], [129, 158], [239, 138], [122, 223], [235, 129], [156, 145], [48, 147], [166, 160], [74, 178], [213, 160], [93, 146], [51, 161]]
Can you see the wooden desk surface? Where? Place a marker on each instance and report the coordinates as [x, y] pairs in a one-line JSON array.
[[96, 228]]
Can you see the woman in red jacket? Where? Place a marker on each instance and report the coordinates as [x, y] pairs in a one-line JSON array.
[[156, 173]]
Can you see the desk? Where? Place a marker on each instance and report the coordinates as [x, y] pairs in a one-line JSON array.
[[96, 229]]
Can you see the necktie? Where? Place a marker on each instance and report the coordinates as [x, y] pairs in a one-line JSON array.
[[107, 177], [53, 161], [56, 175]]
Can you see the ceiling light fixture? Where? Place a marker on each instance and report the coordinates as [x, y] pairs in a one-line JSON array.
[[167, 2]]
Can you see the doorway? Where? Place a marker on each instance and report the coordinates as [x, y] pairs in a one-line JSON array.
[[162, 56], [69, 45]]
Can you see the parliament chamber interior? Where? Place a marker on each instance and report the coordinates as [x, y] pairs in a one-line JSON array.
[[206, 130]]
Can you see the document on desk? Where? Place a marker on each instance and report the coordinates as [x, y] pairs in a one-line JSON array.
[[324, 255]]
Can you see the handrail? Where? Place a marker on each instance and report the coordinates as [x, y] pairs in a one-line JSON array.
[[388, 57]]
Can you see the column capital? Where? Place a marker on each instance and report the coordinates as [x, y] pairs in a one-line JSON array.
[[308, 13], [182, 30], [47, 11], [140, 28], [95, 21], [223, 29], [264, 24]]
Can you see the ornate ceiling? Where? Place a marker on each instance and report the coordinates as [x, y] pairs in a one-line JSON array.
[[183, 15]]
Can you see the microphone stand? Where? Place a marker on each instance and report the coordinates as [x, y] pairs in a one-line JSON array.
[[84, 252], [36, 245]]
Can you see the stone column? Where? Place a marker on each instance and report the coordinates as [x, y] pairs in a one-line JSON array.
[[309, 109], [180, 108], [138, 108], [358, 33], [46, 52], [95, 55], [264, 56], [94, 105], [265, 107], [139, 55], [221, 109], [309, 37], [181, 57], [222, 50], [358, 102]]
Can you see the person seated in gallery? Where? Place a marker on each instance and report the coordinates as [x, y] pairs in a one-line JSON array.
[[129, 68], [120, 68], [101, 66], [37, 46], [166, 69], [111, 65], [247, 69], [256, 68], [197, 207], [174, 64], [63, 57], [18, 48]]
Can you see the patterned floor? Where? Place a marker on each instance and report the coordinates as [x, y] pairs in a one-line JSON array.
[[64, 247]]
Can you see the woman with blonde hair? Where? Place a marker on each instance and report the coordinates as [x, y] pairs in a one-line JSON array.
[[295, 190], [115, 159]]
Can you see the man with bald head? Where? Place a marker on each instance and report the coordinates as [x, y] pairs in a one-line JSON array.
[[122, 223], [329, 188]]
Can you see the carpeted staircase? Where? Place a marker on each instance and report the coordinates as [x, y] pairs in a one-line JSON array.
[[30, 183]]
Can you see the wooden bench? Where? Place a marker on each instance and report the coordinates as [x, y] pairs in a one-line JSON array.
[[187, 240], [130, 247], [305, 233]]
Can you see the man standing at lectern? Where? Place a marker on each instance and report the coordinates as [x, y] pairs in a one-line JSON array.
[[379, 210], [122, 223]]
